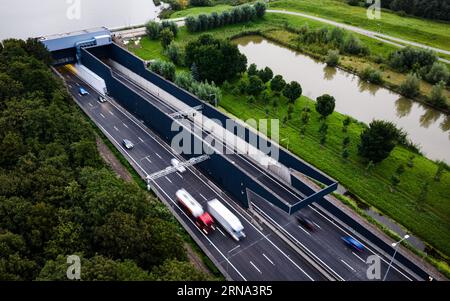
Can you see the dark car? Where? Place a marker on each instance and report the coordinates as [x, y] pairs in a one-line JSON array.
[[305, 222], [353, 243]]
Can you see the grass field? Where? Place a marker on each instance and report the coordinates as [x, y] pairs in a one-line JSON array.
[[428, 220], [193, 11], [428, 32]]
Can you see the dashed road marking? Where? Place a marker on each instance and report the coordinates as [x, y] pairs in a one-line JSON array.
[[168, 179], [102, 115], [115, 127], [265, 256], [255, 267], [348, 265]]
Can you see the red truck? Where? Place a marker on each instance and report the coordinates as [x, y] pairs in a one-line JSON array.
[[193, 208]]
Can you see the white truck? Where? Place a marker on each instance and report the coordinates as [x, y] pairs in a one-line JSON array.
[[226, 219]]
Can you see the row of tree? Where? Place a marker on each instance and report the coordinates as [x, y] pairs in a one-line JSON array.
[[57, 196], [239, 14]]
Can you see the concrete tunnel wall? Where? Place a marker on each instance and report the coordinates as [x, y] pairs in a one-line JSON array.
[[234, 180], [237, 181]]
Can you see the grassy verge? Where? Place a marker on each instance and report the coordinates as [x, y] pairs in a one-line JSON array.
[[428, 32], [194, 11]]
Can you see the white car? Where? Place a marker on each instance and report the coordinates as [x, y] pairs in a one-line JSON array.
[[127, 143], [101, 99], [175, 163]]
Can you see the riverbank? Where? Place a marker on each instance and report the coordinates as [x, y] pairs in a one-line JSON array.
[[428, 219]]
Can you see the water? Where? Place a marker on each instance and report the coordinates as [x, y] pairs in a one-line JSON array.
[[425, 126], [32, 18]]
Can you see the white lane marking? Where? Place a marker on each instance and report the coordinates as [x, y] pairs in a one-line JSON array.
[[220, 231], [169, 198], [140, 139], [111, 113], [168, 179], [126, 114], [203, 196], [255, 267], [317, 225], [359, 257], [102, 115], [158, 155], [125, 125], [90, 104], [304, 230], [115, 127], [70, 86], [179, 175], [292, 237], [373, 252], [265, 256], [348, 265], [148, 159], [207, 238], [234, 248]]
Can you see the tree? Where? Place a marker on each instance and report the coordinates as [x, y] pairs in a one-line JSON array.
[[353, 45], [35, 48], [332, 58], [292, 91], [252, 70], [174, 53], [437, 96], [265, 74], [166, 37], [260, 8], [438, 72], [192, 24], [378, 140], [172, 26], [325, 105], [277, 83], [152, 30], [255, 85], [174, 270], [411, 86], [216, 60], [194, 72]]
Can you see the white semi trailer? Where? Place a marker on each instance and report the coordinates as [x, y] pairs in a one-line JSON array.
[[226, 219]]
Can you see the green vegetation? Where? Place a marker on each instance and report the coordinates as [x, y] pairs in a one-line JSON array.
[[432, 33], [195, 11], [372, 182], [239, 14], [58, 198]]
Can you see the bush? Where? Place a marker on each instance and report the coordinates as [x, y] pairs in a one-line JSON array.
[[438, 72], [277, 83], [409, 58], [372, 76], [174, 53], [252, 70], [255, 85], [411, 86], [165, 69], [353, 45], [265, 74], [152, 30], [200, 2], [166, 37], [184, 80], [437, 96], [171, 25], [332, 58]]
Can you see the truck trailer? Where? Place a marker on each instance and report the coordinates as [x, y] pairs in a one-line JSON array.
[[226, 219], [195, 211]]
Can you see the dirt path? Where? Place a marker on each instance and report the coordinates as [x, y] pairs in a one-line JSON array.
[[112, 161]]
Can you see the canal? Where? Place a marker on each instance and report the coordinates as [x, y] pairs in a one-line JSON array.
[[428, 128]]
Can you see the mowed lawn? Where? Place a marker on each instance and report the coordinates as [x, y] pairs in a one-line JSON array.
[[428, 220], [428, 32]]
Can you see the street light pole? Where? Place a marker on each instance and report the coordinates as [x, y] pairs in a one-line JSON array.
[[395, 245]]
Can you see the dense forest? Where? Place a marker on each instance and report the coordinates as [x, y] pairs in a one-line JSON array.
[[57, 196], [430, 9]]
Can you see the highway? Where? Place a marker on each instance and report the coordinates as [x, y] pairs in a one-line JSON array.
[[262, 255]]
